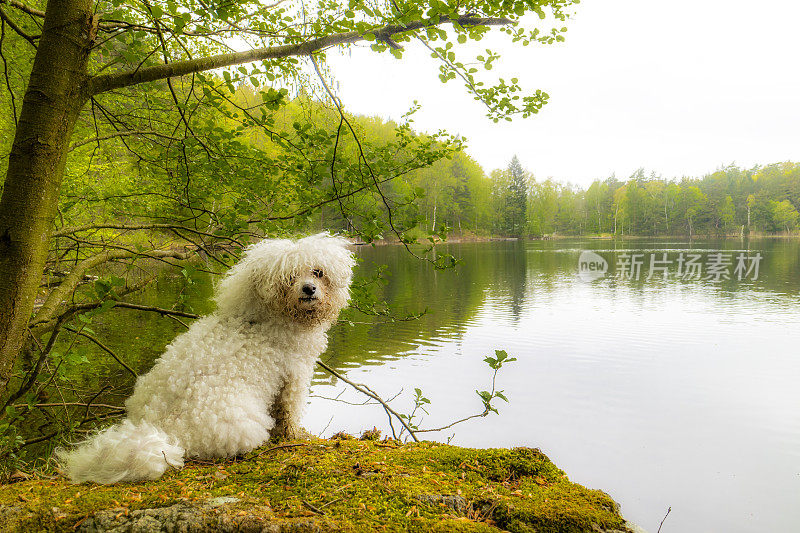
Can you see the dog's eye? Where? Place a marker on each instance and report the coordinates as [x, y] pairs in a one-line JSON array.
[[317, 273]]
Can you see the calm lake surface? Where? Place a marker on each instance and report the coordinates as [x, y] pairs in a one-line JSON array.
[[681, 393]]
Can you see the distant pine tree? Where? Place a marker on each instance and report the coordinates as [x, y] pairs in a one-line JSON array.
[[517, 199]]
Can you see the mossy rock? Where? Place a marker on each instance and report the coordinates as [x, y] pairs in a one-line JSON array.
[[327, 485]]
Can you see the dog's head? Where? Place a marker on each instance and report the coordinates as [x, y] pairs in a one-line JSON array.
[[306, 281]]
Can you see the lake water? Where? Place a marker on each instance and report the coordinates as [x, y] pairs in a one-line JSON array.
[[681, 393], [677, 392]]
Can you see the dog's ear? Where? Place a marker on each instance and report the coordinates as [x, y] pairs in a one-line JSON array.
[[261, 267], [334, 255]]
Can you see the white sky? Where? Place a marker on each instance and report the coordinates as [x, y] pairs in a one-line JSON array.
[[679, 88]]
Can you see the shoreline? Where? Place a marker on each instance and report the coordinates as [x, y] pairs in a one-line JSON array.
[[605, 237]]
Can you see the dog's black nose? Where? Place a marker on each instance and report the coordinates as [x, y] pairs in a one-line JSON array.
[[309, 289]]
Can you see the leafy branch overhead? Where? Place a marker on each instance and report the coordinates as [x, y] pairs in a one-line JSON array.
[[283, 32]]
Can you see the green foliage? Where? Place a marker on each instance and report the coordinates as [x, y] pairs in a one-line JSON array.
[[495, 363], [188, 288], [512, 198], [420, 402], [731, 200], [784, 214]]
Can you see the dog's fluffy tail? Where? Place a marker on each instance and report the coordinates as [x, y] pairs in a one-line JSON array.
[[123, 452]]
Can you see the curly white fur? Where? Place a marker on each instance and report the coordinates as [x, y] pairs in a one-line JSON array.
[[219, 387]]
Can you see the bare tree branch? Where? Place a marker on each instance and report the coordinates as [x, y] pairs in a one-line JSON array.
[[72, 404], [17, 29], [104, 348], [43, 327], [131, 227], [23, 7], [31, 378], [159, 310], [485, 412], [122, 134], [365, 390], [58, 295]]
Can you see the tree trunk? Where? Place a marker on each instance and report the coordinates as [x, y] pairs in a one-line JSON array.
[[615, 221], [53, 99]]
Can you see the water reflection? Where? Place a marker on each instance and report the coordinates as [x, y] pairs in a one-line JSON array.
[[510, 277]]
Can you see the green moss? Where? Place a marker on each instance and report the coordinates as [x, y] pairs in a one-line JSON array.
[[346, 485]]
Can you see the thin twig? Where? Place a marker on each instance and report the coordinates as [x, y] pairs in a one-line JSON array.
[[93, 398], [363, 158], [178, 320], [326, 427], [170, 465], [159, 310], [365, 390], [280, 447], [312, 508], [662, 520], [104, 348], [28, 383], [323, 506], [120, 134], [74, 404], [479, 415]]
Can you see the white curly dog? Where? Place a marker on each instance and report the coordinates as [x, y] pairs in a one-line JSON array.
[[235, 377]]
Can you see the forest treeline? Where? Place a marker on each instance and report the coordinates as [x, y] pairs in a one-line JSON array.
[[448, 192], [731, 200], [454, 194]]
